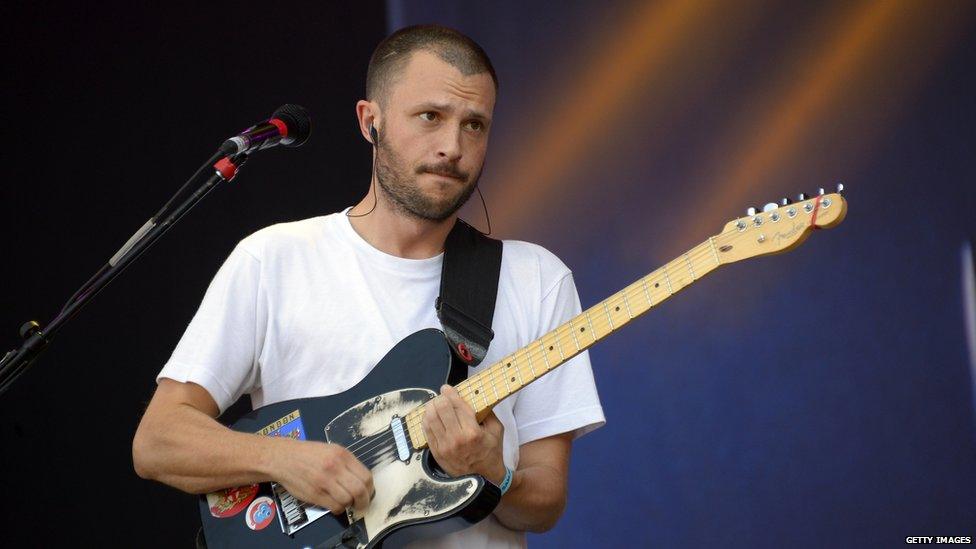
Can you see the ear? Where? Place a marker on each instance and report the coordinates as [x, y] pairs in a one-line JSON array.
[[368, 113]]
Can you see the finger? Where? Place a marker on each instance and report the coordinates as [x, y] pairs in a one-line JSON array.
[[357, 468], [356, 488], [447, 411], [446, 415], [433, 427], [338, 493], [461, 406], [494, 425], [323, 499]]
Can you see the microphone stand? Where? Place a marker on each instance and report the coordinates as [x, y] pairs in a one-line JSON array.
[[17, 361]]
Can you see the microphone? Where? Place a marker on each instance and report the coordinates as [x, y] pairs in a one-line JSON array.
[[290, 126]]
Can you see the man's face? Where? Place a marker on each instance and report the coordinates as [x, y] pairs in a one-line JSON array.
[[433, 136]]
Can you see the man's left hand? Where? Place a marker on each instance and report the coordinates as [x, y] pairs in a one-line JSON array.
[[460, 445]]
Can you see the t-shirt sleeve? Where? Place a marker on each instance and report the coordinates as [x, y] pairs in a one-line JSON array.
[[564, 399], [219, 348]]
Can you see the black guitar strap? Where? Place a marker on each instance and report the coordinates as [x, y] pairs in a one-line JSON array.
[[469, 287]]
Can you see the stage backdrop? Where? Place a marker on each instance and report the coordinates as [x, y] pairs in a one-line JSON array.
[[818, 397]]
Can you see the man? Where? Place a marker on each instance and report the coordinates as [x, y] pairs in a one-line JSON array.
[[308, 308]]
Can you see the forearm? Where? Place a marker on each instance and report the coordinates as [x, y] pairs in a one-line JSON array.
[[186, 449], [534, 501]]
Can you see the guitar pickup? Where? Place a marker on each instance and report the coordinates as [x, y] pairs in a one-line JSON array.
[[400, 437]]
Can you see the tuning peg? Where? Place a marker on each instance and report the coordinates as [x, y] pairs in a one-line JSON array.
[[821, 191], [785, 201], [840, 187], [751, 211], [770, 207], [801, 197]]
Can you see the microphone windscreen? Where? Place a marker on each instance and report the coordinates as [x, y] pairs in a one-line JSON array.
[[298, 122]]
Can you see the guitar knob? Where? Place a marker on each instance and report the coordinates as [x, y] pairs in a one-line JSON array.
[[801, 197], [785, 201], [751, 212], [840, 187], [821, 191], [770, 207]]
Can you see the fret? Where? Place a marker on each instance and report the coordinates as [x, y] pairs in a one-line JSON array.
[[528, 360], [555, 339], [627, 304], [518, 372], [484, 396], [590, 322], [529, 366], [711, 240], [667, 279], [508, 384], [647, 294], [494, 388], [545, 356], [690, 268], [572, 330], [607, 310]]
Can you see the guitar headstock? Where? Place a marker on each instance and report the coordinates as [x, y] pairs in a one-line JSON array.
[[779, 227]]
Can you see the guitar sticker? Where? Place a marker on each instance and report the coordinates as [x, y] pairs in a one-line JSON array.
[[288, 426], [228, 502], [260, 513]]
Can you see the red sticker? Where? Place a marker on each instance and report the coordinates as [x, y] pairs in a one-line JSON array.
[[228, 502], [260, 513]]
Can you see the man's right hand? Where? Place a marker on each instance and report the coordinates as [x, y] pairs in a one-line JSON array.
[[327, 475]]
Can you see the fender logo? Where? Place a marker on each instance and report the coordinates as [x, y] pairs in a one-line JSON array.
[[797, 227]]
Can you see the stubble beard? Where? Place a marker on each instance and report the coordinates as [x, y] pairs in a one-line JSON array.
[[399, 183]]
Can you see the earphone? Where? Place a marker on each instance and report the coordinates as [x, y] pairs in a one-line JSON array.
[[374, 139]]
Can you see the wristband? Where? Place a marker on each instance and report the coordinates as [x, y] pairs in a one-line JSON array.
[[507, 481]]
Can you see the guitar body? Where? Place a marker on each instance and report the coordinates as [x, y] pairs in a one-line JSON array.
[[413, 499]]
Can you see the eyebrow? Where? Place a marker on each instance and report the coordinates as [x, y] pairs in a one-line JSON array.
[[470, 113]]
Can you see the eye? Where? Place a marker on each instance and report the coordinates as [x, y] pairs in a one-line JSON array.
[[476, 125], [429, 116]]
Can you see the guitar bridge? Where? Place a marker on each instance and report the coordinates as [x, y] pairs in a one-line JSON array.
[[295, 514]]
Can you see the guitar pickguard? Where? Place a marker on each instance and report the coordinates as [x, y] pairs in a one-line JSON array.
[[406, 491]]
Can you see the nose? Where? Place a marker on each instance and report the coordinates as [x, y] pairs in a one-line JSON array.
[[449, 145]]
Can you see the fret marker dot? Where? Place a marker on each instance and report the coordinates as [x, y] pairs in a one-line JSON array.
[[656, 284], [475, 391], [513, 379], [582, 329], [509, 365], [616, 308], [550, 347]]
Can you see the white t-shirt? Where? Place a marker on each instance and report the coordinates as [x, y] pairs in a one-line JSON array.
[[308, 308]]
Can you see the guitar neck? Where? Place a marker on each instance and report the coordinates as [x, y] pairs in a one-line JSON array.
[[493, 384]]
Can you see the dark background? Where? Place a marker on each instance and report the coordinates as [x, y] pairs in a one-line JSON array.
[[114, 107], [820, 397]]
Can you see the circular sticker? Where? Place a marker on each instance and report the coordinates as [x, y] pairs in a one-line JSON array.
[[260, 513], [229, 502]]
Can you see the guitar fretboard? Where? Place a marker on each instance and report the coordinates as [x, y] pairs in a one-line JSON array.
[[493, 384]]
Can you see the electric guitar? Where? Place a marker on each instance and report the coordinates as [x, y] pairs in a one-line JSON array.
[[379, 420]]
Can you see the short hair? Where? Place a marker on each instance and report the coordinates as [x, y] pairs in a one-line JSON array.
[[393, 53]]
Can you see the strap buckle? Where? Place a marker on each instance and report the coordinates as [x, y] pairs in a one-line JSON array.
[[469, 338]]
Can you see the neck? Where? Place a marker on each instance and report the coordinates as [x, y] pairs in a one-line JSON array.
[[397, 233]]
